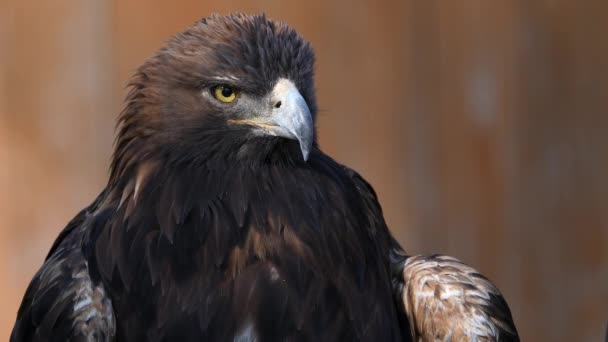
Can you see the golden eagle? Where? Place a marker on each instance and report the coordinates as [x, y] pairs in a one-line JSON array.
[[223, 220]]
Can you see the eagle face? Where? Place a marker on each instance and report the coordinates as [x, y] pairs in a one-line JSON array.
[[232, 87]]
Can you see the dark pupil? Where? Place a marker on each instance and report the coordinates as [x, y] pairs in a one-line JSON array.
[[226, 91]]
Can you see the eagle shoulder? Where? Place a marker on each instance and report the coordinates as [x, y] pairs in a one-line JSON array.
[[63, 302], [445, 299]]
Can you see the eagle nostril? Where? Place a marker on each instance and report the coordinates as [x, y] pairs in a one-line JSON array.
[[278, 104]]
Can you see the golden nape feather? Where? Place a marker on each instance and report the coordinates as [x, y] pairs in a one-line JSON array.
[[446, 300]]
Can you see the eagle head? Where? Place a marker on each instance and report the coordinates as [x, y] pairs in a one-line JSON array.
[[228, 87]]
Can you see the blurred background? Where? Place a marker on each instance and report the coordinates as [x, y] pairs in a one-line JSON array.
[[483, 126]]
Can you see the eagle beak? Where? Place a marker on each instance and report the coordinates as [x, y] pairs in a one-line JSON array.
[[291, 117]]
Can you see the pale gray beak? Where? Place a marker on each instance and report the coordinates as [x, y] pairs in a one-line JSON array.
[[289, 117]]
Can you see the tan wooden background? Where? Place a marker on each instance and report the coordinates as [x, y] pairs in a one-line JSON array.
[[482, 124]]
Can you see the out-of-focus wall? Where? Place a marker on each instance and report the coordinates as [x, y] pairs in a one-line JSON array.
[[483, 126]]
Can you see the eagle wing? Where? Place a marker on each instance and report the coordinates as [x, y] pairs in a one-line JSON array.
[[439, 297], [447, 300], [63, 302]]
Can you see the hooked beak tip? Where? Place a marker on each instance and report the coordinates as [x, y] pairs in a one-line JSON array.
[[305, 153]]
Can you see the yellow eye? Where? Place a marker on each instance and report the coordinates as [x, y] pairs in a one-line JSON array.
[[224, 93]]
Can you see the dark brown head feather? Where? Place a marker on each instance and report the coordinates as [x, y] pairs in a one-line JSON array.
[[165, 114]]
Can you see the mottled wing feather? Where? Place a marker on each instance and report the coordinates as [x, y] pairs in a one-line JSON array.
[[62, 302], [446, 300]]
